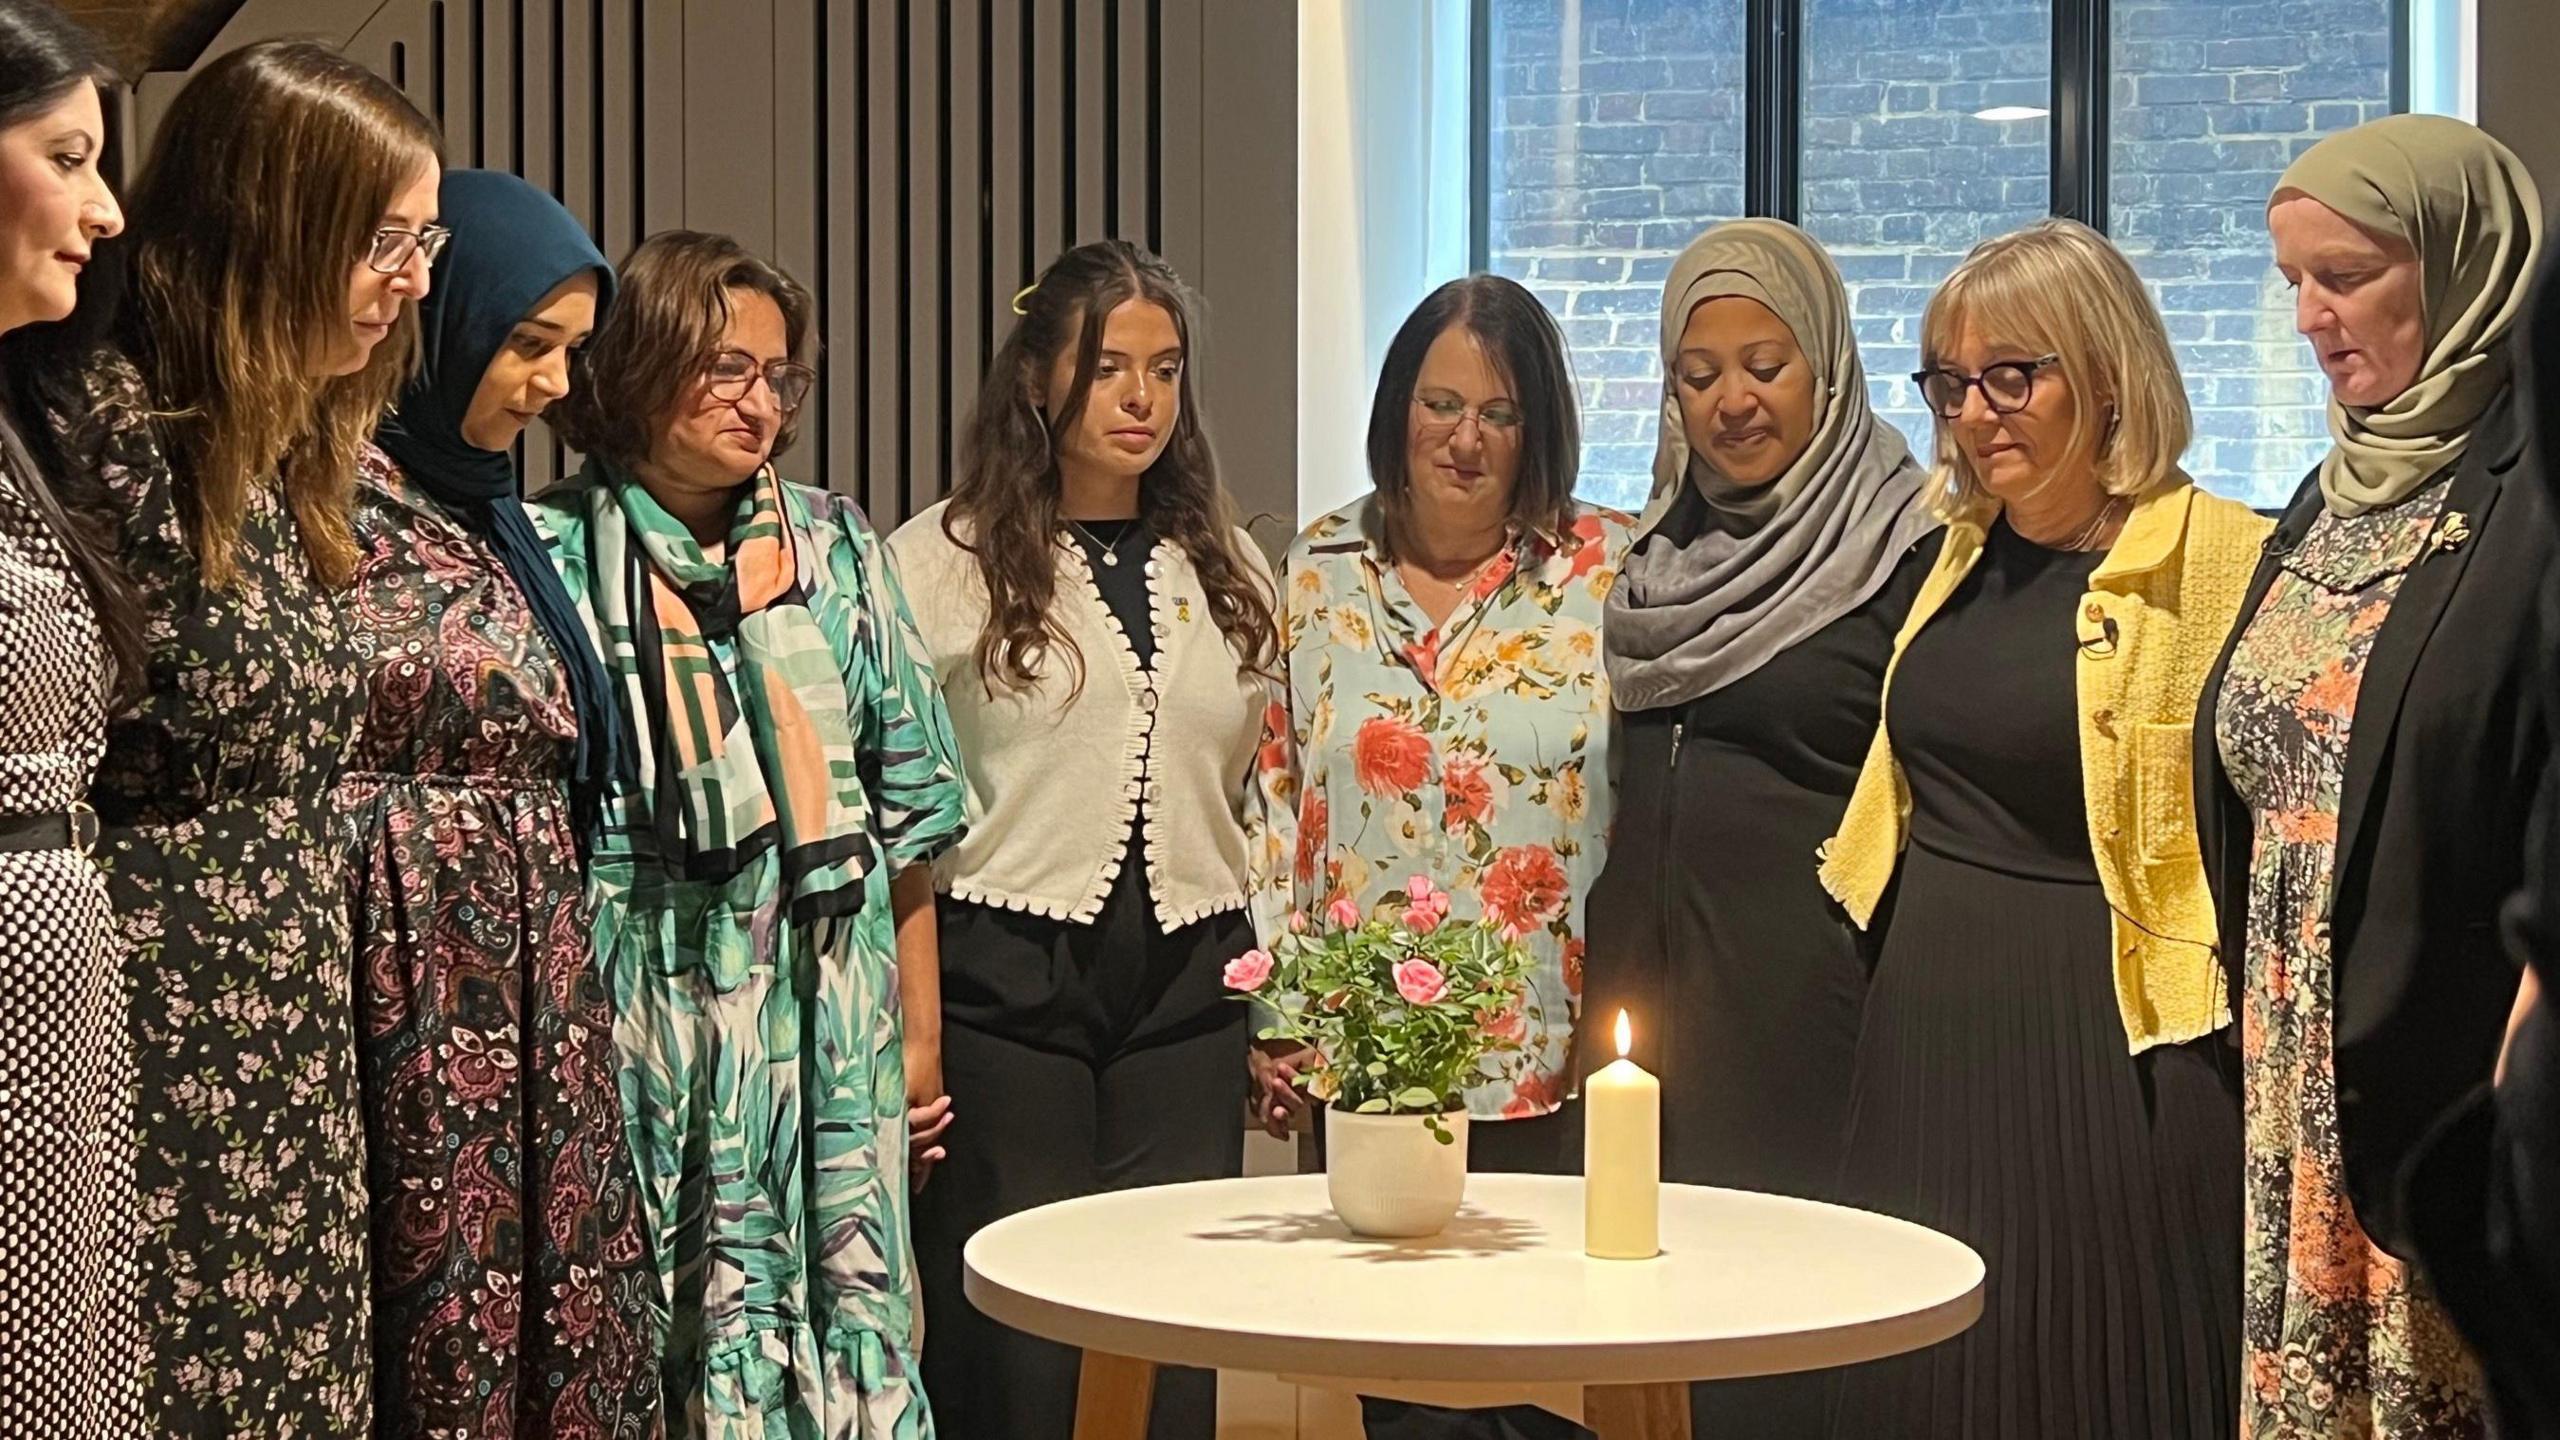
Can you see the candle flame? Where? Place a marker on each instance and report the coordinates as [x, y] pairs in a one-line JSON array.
[[1626, 1035]]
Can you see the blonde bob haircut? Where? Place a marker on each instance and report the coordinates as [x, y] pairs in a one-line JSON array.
[[2059, 288]]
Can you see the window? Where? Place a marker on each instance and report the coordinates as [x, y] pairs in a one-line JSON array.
[[2212, 99], [1924, 133], [1614, 135], [1900, 133]]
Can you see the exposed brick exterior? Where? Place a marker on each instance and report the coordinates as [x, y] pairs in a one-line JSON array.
[[1617, 137]]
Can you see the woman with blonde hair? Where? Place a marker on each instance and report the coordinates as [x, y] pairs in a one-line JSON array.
[[281, 232], [2039, 1073]]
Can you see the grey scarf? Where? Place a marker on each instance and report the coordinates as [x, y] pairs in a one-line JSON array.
[[1722, 578]]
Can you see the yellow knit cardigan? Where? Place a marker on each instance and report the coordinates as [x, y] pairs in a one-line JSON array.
[[2151, 626]]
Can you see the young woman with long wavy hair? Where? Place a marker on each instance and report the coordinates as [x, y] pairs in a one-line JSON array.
[[1102, 631]]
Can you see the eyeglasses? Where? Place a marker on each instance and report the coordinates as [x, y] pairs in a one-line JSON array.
[[1448, 413], [2006, 387], [732, 373], [393, 247]]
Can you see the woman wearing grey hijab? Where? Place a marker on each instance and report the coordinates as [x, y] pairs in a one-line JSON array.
[[1746, 644], [2366, 759]]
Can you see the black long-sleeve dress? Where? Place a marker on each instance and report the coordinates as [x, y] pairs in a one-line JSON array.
[[1995, 1099], [1709, 925]]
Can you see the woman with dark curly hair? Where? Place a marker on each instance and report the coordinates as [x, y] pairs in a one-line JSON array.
[[1102, 629]]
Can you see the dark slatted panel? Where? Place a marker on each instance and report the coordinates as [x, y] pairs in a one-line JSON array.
[[914, 162]]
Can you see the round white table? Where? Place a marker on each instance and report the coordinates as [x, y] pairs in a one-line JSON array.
[[1503, 1306]]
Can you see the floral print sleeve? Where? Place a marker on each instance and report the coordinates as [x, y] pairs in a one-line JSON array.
[[1475, 751]]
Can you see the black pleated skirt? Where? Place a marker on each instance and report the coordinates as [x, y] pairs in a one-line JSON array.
[[1995, 1101]]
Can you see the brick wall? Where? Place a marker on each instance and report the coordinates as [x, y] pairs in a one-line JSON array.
[[1617, 137]]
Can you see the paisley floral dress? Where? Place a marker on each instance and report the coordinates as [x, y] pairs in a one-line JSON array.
[[226, 856], [2341, 1339], [1474, 751], [511, 1275]]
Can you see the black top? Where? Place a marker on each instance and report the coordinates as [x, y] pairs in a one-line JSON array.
[[1708, 912], [1124, 585], [2451, 742], [1985, 715]]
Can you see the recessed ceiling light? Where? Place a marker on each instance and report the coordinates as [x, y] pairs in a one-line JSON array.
[[2011, 112]]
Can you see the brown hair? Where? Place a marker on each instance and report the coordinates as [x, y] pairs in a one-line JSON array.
[[1522, 340], [270, 173], [670, 308], [1007, 491]]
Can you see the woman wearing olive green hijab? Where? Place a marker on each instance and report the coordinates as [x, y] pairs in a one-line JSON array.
[[2366, 755]]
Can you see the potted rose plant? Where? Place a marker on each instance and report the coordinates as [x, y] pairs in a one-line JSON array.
[[1404, 1009]]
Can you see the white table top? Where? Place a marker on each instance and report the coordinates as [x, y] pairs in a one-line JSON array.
[[1259, 1275]]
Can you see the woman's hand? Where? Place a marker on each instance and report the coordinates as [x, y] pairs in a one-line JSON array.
[[1278, 1103], [928, 1114]]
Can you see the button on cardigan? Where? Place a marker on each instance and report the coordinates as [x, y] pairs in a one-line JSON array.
[[1055, 774]]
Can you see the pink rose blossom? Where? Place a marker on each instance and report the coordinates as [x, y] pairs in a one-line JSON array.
[[1420, 982], [1343, 913], [1248, 970], [1297, 922], [1425, 906]]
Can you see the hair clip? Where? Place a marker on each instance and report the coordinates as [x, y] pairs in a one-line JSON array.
[[1023, 294]]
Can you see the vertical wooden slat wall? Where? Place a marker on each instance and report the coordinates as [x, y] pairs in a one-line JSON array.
[[914, 162]]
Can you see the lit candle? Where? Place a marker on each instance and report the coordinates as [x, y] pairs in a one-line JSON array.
[[1622, 1159]]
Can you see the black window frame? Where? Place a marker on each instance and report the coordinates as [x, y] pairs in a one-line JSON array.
[[1773, 79]]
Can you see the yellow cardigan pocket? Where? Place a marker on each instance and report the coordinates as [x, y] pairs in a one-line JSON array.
[[2164, 792]]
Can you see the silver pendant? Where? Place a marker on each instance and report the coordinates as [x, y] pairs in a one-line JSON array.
[[1110, 557]]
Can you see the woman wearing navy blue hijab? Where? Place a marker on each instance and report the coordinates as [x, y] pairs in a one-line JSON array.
[[513, 1287]]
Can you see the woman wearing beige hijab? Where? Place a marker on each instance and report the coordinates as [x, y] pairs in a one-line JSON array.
[[1746, 643], [2366, 756]]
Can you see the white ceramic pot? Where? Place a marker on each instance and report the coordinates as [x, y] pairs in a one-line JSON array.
[[1390, 1177]]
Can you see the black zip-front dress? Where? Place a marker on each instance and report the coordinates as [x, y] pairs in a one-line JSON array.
[[1708, 924]]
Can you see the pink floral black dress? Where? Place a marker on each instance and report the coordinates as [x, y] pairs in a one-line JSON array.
[[2341, 1339], [225, 858]]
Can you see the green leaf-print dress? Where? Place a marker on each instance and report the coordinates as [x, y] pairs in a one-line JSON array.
[[761, 1070]]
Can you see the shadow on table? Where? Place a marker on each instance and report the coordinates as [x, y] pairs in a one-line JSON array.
[[1472, 1233]]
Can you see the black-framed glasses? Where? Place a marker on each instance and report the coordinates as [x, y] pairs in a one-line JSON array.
[[732, 373], [393, 248], [2006, 387]]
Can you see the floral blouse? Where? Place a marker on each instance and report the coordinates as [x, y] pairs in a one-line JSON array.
[[1476, 752]]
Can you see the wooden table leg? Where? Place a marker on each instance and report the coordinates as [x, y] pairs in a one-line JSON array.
[[1114, 1396], [1637, 1412]]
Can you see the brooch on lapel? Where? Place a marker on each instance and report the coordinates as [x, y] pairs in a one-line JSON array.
[[1182, 608], [2451, 534]]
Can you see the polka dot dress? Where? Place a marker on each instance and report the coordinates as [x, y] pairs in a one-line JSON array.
[[68, 1366]]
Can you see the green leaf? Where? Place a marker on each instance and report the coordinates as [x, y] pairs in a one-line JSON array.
[[1417, 1097], [1375, 1069], [1372, 1107]]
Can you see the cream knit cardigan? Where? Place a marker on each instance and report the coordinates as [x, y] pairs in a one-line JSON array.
[[1053, 781]]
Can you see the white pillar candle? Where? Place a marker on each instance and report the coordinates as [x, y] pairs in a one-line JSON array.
[[1622, 1159]]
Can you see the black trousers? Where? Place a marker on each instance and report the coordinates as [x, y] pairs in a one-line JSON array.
[[1079, 1059], [1548, 1145]]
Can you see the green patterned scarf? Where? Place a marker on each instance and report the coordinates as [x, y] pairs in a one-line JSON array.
[[733, 766]]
